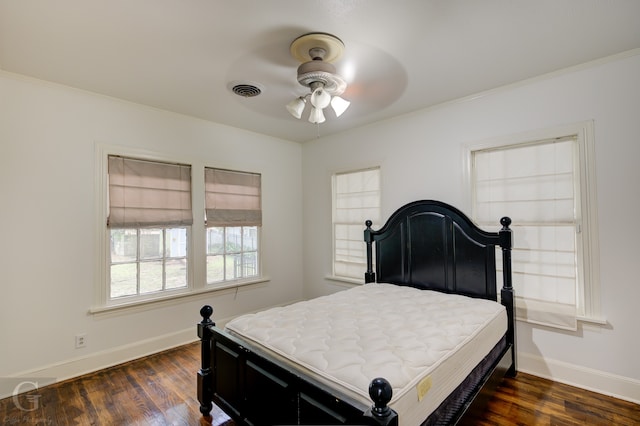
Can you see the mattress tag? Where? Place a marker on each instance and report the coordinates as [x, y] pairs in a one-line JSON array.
[[423, 387]]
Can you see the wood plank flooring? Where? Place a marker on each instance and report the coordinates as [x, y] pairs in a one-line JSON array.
[[161, 390]]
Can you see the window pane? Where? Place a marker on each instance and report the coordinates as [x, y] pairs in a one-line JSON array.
[[250, 238], [123, 280], [215, 240], [150, 276], [234, 239], [215, 268], [250, 264], [124, 245], [151, 244], [176, 273], [176, 244], [233, 267]]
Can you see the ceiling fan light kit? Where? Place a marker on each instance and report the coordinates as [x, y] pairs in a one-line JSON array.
[[317, 51], [296, 106]]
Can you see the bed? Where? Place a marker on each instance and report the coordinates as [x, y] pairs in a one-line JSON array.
[[424, 341]]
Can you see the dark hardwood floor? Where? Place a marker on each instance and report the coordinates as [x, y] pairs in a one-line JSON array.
[[161, 390]]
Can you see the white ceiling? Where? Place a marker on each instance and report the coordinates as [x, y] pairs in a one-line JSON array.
[[400, 56]]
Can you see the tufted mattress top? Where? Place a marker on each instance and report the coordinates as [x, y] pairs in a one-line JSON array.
[[382, 330]]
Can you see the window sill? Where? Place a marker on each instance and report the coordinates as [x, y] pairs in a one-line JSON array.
[[344, 281], [171, 299], [593, 320]]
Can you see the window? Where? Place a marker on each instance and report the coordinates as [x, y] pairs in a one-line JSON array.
[[356, 198], [543, 184], [233, 221], [149, 248], [148, 223]]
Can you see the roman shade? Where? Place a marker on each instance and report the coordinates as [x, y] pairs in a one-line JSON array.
[[232, 198], [146, 193], [535, 184], [356, 199]]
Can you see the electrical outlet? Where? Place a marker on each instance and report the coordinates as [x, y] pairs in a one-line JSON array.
[[81, 341]]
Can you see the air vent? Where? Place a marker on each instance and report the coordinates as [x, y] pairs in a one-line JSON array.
[[245, 89]]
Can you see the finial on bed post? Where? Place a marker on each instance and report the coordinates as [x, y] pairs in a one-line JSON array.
[[506, 243], [381, 392], [507, 295], [205, 374], [369, 275]]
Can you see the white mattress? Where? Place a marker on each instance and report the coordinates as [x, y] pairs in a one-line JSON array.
[[423, 342]]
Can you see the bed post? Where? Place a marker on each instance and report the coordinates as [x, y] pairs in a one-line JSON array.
[[369, 275], [506, 294], [205, 373], [381, 392]]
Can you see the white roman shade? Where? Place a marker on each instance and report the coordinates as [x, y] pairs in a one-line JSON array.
[[356, 199], [535, 184], [148, 193], [232, 198]]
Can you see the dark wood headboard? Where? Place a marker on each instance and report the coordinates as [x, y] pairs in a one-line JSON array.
[[432, 245]]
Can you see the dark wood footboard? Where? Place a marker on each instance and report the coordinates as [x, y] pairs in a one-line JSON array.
[[255, 389]]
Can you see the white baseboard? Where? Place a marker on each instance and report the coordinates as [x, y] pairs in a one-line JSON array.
[[53, 373], [29, 380], [586, 378]]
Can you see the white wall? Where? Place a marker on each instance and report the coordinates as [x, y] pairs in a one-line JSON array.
[[48, 135], [421, 158]]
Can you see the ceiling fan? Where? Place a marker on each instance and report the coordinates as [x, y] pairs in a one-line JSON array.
[[317, 52]]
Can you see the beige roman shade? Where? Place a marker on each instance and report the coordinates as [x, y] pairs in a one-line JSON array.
[[356, 199], [148, 193], [232, 198], [535, 185]]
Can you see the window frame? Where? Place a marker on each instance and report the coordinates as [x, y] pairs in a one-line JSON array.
[[102, 294], [334, 276], [246, 221], [588, 264], [196, 261]]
